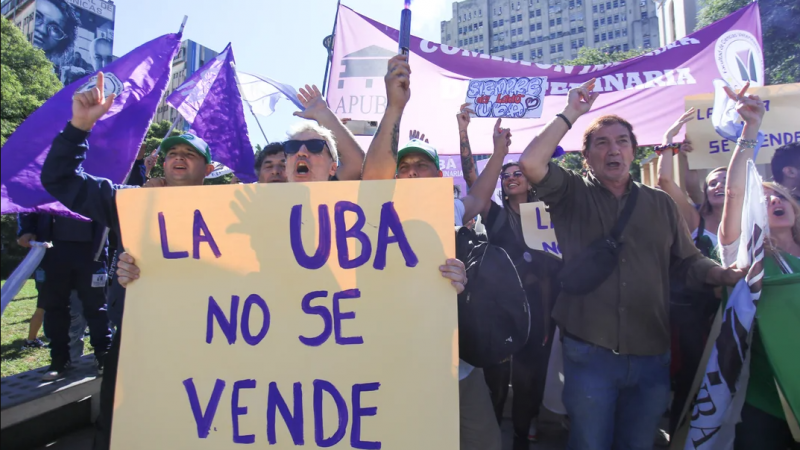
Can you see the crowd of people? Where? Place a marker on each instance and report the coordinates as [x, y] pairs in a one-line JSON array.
[[621, 328]]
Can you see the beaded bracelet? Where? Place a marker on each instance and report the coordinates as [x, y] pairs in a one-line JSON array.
[[660, 148], [746, 144]]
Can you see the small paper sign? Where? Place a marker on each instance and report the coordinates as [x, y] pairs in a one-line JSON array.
[[515, 98]]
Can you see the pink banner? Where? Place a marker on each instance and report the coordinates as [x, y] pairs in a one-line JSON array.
[[647, 90]]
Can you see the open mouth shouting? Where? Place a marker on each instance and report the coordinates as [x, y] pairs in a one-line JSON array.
[[302, 169], [778, 211], [179, 168], [613, 165]]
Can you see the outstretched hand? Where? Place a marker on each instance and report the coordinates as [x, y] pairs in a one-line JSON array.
[[502, 138], [750, 107], [416, 134], [580, 100], [673, 130], [88, 107], [463, 116], [398, 82], [311, 99]]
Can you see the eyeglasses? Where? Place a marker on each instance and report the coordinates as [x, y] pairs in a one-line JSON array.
[[53, 28], [314, 146], [507, 175]]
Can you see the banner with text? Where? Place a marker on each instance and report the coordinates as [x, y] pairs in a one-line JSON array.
[[296, 314], [537, 229], [515, 98], [642, 89], [781, 126]]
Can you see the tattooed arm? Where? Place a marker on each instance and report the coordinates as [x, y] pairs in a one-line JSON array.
[[467, 163], [381, 160]]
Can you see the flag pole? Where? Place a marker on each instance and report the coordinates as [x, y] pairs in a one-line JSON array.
[[249, 106], [183, 24], [328, 60]]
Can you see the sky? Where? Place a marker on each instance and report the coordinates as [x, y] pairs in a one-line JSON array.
[[276, 38]]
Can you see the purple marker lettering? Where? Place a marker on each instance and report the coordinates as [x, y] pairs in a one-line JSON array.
[[339, 316], [293, 421], [162, 228], [203, 420], [391, 221], [227, 326], [320, 257], [254, 299], [358, 413], [322, 312], [341, 408], [355, 232], [201, 233], [539, 220], [237, 411]]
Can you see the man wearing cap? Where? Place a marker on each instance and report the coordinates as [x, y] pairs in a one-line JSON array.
[[417, 159], [187, 161]]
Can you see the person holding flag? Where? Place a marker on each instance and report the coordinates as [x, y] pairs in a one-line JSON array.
[[772, 393]]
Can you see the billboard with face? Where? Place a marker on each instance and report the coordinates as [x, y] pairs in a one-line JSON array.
[[77, 36]]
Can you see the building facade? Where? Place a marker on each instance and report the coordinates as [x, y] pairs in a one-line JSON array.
[[550, 31], [676, 18], [190, 58]]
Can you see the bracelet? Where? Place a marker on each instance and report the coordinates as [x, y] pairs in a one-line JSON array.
[[569, 124], [746, 144], [660, 148]]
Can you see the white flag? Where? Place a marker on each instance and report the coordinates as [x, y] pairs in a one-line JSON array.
[[263, 93]]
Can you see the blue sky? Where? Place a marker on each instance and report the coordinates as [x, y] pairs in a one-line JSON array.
[[280, 39]]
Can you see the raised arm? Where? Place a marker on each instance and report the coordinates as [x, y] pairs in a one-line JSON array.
[[467, 163], [535, 158], [666, 174], [479, 198], [351, 156], [752, 110], [381, 160]]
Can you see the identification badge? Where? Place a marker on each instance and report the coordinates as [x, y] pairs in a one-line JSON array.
[[99, 280]]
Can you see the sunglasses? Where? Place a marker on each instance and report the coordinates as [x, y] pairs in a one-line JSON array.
[[507, 175], [314, 146]]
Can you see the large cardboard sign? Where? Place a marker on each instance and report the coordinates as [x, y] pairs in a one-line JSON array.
[[537, 229], [781, 126], [289, 314]]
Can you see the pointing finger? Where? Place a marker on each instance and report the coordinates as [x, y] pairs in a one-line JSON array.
[[101, 85]]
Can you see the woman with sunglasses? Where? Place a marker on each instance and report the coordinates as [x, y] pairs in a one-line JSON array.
[[527, 369], [691, 311], [763, 421], [56, 27]]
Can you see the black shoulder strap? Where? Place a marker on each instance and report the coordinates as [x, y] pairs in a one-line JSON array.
[[616, 232], [499, 220], [701, 229]]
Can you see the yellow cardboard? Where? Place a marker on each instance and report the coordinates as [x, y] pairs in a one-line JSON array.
[[406, 316], [537, 229]]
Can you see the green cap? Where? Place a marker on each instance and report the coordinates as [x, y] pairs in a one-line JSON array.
[[418, 146], [191, 140]]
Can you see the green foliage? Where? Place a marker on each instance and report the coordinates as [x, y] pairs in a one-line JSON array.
[[12, 253], [26, 79], [588, 55], [780, 33]]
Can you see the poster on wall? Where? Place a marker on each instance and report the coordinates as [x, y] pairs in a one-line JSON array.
[[77, 36]]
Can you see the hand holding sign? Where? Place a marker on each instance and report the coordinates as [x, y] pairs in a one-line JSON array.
[[88, 107], [676, 127], [518, 97], [463, 116], [398, 82]]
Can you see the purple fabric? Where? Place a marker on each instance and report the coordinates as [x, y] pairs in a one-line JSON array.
[[139, 78], [211, 102]]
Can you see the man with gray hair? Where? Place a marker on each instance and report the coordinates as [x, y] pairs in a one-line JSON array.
[[311, 153]]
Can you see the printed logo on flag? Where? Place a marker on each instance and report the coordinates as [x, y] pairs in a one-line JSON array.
[[739, 59], [111, 85]]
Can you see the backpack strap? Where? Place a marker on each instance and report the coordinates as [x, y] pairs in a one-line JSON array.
[[701, 230], [616, 232], [499, 222]]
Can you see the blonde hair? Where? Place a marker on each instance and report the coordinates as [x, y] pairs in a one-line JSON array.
[[321, 131], [772, 248]]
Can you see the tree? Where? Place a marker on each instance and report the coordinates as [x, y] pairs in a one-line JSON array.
[[27, 79], [587, 56], [780, 33]]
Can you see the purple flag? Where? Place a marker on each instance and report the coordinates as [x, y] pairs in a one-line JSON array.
[[211, 102], [138, 79]]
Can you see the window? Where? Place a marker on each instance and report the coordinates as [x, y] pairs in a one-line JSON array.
[[494, 23], [602, 21], [580, 2], [622, 2], [594, 8], [602, 8], [480, 24], [499, 10], [624, 31], [480, 14], [596, 23], [573, 30], [616, 18], [480, 38], [513, 45], [552, 49], [574, 44], [532, 14], [533, 54], [581, 29], [539, 26], [624, 18], [513, 32], [644, 14], [501, 22], [459, 30], [514, 56], [460, 43], [616, 3], [513, 19], [561, 47], [602, 36], [538, 13], [617, 33], [470, 40], [533, 27], [519, 56], [647, 43], [558, 21], [559, 34], [596, 38], [470, 27], [540, 52], [552, 35], [519, 19], [625, 47], [519, 31], [552, 22], [580, 42], [540, 39]]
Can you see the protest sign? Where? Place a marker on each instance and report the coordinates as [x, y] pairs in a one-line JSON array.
[[780, 126], [515, 97], [537, 229], [289, 314]]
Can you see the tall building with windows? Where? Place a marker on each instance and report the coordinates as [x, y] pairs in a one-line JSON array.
[[676, 18], [190, 58], [550, 31]]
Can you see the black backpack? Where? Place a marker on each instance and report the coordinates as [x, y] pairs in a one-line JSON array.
[[493, 315]]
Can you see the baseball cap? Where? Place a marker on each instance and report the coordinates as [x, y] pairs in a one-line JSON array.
[[189, 139], [418, 146]]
